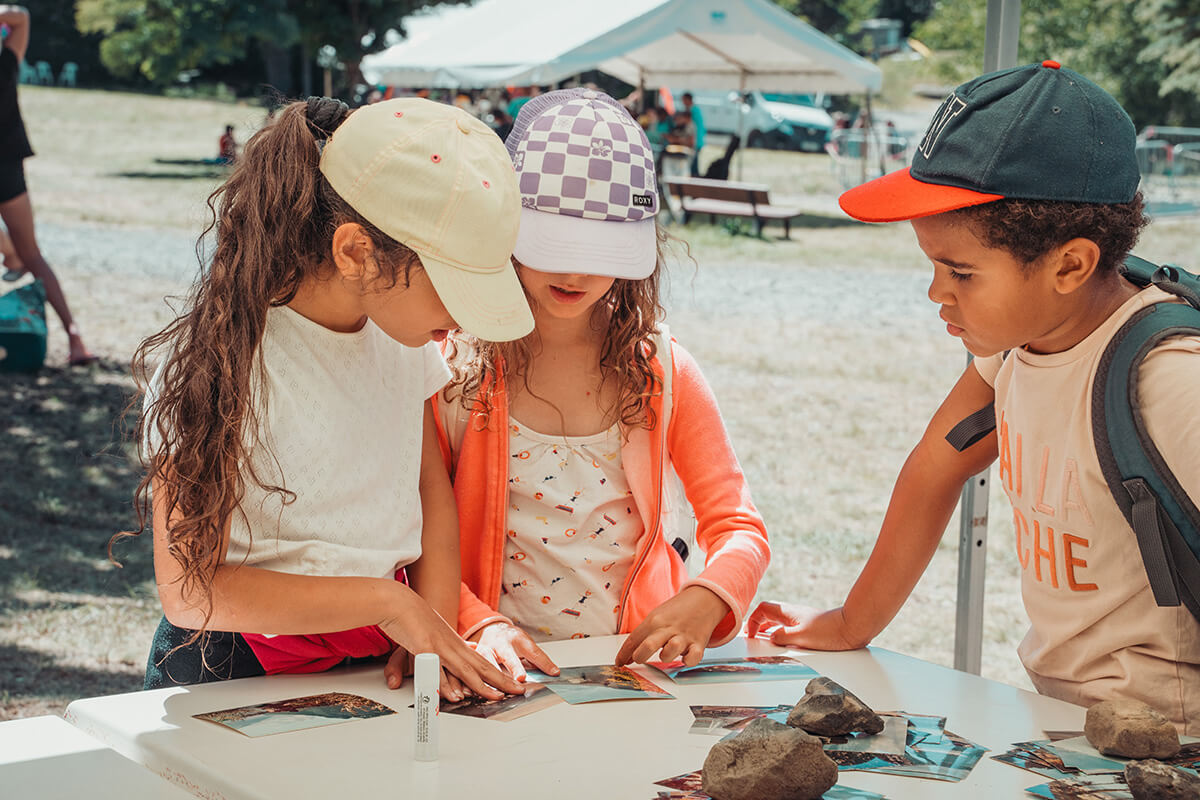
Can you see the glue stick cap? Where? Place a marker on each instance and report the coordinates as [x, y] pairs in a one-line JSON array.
[[427, 670]]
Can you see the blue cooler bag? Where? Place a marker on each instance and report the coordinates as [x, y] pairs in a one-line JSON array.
[[23, 329]]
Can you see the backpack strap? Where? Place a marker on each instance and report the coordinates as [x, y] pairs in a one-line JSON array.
[[1163, 517], [973, 427]]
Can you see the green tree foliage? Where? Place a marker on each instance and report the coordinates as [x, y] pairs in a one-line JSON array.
[[55, 40], [909, 12], [352, 27], [1137, 51], [158, 39], [842, 20], [1173, 30], [838, 20]]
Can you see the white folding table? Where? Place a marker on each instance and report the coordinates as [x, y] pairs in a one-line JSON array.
[[49, 759], [608, 750]]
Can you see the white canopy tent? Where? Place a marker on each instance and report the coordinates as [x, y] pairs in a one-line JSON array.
[[701, 44]]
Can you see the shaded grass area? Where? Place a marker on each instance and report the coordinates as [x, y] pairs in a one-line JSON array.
[[66, 479]]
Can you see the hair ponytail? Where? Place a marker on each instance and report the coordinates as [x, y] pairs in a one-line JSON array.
[[272, 222]]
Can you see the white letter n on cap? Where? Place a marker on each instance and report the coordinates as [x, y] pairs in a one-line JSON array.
[[950, 109]]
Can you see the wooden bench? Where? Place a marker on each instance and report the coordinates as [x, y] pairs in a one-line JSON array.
[[730, 199]]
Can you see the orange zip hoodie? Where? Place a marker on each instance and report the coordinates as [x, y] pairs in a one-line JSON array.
[[728, 527]]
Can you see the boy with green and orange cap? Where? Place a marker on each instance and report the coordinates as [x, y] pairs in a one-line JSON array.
[[1024, 195]]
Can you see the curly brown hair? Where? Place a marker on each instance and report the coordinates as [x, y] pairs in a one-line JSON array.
[[273, 222], [1029, 229], [629, 314]]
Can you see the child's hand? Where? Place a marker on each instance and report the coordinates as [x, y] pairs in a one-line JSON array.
[[802, 626], [679, 627], [417, 628], [398, 666], [506, 645]]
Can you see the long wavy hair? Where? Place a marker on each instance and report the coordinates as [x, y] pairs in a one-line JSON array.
[[273, 222], [629, 316]]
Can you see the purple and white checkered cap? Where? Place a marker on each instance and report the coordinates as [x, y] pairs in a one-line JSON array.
[[588, 186]]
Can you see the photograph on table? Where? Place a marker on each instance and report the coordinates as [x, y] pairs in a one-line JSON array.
[[930, 752], [892, 739], [720, 720], [1050, 759], [1188, 756], [1077, 770], [296, 714], [598, 682], [734, 670], [536, 698]]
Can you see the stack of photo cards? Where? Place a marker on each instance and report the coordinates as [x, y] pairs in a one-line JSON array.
[[915, 745], [1077, 769], [297, 713], [599, 682], [731, 670], [721, 720], [930, 751], [536, 698]]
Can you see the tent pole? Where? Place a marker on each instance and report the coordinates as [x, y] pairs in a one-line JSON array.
[[741, 100], [641, 91], [866, 137], [1000, 52]]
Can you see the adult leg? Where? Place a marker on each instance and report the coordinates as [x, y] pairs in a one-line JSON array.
[[17, 214]]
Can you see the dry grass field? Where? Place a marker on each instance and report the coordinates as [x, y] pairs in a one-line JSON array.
[[823, 350]]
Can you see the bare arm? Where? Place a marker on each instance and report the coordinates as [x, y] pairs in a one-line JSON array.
[[251, 599], [436, 575], [17, 20], [921, 505]]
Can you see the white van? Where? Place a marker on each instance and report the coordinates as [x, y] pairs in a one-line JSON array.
[[768, 119]]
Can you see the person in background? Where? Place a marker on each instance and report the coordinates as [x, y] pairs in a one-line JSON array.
[[227, 147], [15, 207], [501, 122]]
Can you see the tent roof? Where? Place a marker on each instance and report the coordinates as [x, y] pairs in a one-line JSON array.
[[700, 44]]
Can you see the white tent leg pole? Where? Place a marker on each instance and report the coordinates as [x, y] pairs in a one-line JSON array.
[[1002, 34], [741, 123], [999, 52], [972, 560]]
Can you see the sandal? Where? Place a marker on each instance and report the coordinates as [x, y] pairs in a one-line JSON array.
[[13, 275], [83, 361]]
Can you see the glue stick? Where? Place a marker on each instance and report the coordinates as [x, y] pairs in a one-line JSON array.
[[427, 676]]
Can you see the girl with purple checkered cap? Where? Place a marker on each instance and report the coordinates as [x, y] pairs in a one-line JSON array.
[[572, 448]]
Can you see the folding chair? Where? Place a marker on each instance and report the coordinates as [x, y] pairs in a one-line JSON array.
[[67, 76], [45, 75]]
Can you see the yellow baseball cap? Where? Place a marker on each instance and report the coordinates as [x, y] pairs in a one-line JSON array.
[[440, 182]]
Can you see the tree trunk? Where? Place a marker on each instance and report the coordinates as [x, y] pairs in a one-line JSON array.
[[278, 63]]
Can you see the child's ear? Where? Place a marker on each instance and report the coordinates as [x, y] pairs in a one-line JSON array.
[[354, 252], [1076, 262]]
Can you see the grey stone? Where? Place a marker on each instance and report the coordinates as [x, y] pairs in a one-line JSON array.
[[828, 709], [1154, 780], [1130, 729], [768, 761]]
